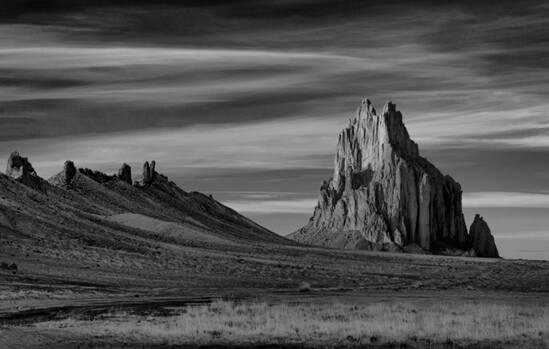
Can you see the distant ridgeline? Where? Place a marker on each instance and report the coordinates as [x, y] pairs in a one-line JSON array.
[[82, 203], [385, 196]]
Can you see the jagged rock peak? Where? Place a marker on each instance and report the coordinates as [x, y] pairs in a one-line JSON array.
[[69, 171], [389, 107], [370, 140], [367, 106], [149, 173], [384, 195], [18, 166], [481, 239], [125, 173]]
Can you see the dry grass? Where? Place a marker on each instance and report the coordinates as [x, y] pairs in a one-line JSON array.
[[239, 323], [10, 295]]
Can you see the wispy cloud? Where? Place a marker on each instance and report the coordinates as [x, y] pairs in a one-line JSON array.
[[257, 195], [518, 127], [470, 200], [505, 199], [447, 98], [300, 206], [527, 235]]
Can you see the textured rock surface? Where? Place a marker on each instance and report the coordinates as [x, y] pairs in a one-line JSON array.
[[383, 195], [69, 170], [125, 173], [20, 169], [481, 240], [18, 166], [149, 172], [97, 176]]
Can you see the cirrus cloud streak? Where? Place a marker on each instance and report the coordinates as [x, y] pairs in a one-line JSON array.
[[505, 199]]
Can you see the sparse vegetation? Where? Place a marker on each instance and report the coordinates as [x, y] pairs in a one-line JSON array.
[[316, 324], [304, 287]]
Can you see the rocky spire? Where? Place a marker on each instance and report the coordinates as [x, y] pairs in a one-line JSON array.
[[383, 194], [146, 173], [149, 173], [20, 169], [69, 171], [370, 139], [481, 240], [125, 173]]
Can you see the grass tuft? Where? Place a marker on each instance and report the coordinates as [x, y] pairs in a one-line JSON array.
[[304, 287]]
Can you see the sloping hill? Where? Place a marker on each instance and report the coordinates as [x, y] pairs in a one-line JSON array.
[[93, 209]]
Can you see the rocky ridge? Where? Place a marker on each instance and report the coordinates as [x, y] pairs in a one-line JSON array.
[[84, 203], [385, 196]]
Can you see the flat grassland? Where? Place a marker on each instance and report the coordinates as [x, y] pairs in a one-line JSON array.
[[272, 296], [256, 323]]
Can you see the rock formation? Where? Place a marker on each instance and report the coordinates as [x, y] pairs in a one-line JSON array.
[[69, 171], [97, 176], [125, 173], [149, 172], [383, 194], [481, 240], [20, 169], [19, 166]]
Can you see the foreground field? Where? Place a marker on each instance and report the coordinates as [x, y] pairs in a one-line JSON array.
[[383, 324], [355, 298]]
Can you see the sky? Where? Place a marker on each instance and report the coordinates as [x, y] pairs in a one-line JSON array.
[[245, 99]]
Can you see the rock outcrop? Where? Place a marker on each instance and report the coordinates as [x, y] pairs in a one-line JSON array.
[[97, 176], [98, 209], [149, 172], [125, 173], [20, 169], [69, 171], [481, 240], [383, 194]]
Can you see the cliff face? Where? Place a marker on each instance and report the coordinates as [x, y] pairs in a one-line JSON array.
[[384, 195]]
